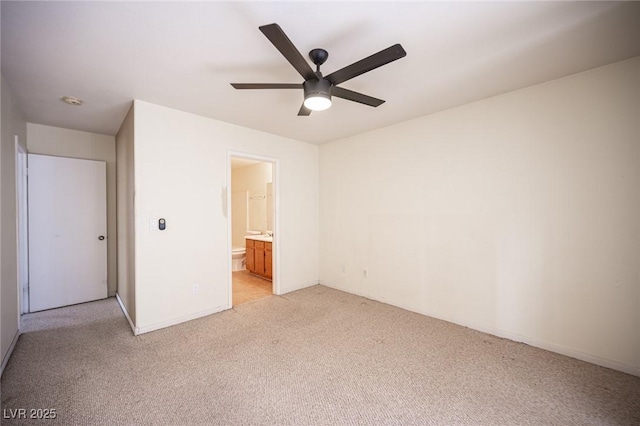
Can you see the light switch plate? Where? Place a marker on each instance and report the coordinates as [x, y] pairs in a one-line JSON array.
[[153, 224]]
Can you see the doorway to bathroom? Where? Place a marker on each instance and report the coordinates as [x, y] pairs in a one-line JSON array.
[[252, 223]]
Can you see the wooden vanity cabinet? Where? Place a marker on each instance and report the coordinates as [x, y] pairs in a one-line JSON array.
[[260, 258], [250, 260], [268, 260]]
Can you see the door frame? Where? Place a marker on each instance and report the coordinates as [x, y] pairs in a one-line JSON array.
[[22, 227], [275, 164]]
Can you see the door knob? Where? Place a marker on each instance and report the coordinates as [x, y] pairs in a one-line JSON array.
[[101, 237]]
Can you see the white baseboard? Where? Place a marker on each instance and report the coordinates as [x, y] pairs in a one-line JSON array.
[[357, 293], [126, 314], [299, 287], [552, 347], [179, 320], [5, 360]]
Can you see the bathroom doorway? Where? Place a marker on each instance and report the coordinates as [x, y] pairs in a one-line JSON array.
[[252, 223]]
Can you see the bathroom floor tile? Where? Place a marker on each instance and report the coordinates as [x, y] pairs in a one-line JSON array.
[[247, 287]]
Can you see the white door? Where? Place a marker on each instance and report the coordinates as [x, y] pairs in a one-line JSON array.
[[67, 231]]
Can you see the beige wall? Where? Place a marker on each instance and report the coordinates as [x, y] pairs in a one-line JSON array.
[[254, 179], [125, 214], [90, 146], [181, 169], [517, 215], [12, 124]]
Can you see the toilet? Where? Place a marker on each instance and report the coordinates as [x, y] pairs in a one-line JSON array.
[[238, 258], [239, 255]]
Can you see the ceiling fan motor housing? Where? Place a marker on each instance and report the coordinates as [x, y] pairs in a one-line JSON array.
[[320, 87]]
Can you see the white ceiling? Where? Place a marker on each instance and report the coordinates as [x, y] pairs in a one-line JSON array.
[[184, 55]]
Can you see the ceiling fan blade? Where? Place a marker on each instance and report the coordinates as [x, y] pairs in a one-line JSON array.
[[280, 40], [350, 95], [266, 86], [304, 111], [367, 64]]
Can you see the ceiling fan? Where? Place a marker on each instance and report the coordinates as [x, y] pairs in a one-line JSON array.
[[319, 89]]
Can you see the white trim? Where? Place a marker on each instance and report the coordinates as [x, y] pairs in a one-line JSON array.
[[22, 224], [126, 313], [179, 320], [277, 287], [229, 235], [300, 287], [541, 344], [6, 358], [141, 330], [276, 219]]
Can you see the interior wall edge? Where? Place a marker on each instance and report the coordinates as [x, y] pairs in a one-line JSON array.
[[7, 356], [178, 320], [299, 287], [12, 124], [126, 313]]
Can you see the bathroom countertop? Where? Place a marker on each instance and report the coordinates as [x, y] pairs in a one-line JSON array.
[[266, 238]]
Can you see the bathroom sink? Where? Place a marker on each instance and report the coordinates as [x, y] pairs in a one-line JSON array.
[[267, 238]]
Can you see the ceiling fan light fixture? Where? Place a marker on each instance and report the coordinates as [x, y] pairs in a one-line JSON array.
[[318, 102], [317, 94]]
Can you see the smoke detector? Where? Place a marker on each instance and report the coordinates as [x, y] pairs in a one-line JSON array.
[[72, 101]]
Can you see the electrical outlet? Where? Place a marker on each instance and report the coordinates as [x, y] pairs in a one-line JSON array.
[[196, 289], [365, 273], [344, 269]]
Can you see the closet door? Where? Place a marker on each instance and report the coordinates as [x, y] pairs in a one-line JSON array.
[[67, 231]]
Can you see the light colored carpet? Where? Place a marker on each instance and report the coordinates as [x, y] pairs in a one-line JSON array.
[[315, 356]]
